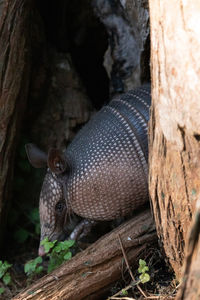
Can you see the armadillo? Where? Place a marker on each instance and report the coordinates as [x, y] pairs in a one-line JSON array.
[[103, 173]]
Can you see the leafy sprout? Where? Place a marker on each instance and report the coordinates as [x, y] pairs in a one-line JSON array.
[[4, 274], [143, 269], [58, 252]]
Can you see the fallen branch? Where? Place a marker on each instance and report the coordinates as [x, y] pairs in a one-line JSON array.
[[91, 272]]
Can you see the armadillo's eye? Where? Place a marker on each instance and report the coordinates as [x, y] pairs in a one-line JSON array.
[[60, 207]]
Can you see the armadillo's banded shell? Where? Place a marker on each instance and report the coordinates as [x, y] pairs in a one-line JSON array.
[[108, 159]]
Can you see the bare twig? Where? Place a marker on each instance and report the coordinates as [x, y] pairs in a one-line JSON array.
[[160, 297], [129, 269], [120, 293], [177, 287], [123, 298]]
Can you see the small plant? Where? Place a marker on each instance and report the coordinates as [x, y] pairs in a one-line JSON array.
[[4, 274], [48, 245], [33, 267], [59, 252], [143, 269], [124, 292]]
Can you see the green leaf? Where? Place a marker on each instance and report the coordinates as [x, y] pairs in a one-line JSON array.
[[7, 278], [58, 248], [69, 243], [39, 269], [1, 272], [4, 267], [38, 260], [142, 263], [45, 240], [124, 293], [68, 256], [21, 235], [31, 266], [143, 267], [2, 290], [47, 245], [64, 246], [7, 265], [144, 277]]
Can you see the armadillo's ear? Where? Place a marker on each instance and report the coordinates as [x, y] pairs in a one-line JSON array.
[[56, 161], [37, 157]]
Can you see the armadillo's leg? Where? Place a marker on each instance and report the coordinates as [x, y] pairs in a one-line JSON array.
[[82, 229]]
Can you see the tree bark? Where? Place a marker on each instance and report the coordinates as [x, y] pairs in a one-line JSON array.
[[1, 6], [89, 273], [127, 25], [14, 82], [174, 142], [67, 106], [190, 288]]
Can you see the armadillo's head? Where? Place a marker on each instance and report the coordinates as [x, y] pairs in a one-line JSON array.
[[53, 210]]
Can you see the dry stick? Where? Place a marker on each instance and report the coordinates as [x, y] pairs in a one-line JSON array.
[[123, 298], [120, 293], [160, 297], [128, 267]]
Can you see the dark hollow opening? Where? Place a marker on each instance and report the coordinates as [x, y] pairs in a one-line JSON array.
[[69, 27]]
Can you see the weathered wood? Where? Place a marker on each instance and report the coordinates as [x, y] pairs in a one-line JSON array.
[[1, 6], [190, 287], [88, 273], [127, 25], [66, 107], [14, 81], [174, 175]]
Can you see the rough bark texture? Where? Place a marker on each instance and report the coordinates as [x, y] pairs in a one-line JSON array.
[[14, 82], [127, 25], [190, 288], [174, 144], [1, 6], [89, 273], [66, 108]]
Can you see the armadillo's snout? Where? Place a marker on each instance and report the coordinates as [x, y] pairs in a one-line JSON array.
[[41, 251]]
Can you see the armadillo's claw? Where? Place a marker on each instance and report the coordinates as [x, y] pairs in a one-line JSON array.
[[82, 229]]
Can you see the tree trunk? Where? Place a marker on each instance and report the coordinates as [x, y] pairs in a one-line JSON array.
[[67, 106], [1, 6], [175, 123], [90, 273], [190, 288], [14, 82], [127, 25]]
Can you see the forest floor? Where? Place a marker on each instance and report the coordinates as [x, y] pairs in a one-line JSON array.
[[161, 284]]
